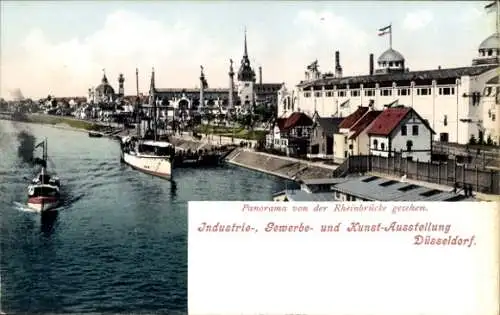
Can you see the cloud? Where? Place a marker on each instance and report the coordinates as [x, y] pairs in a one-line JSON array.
[[417, 20], [126, 40]]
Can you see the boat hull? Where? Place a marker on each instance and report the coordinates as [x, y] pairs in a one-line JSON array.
[[156, 166], [42, 204]]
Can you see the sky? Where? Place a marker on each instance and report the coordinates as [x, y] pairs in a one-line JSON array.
[[61, 48]]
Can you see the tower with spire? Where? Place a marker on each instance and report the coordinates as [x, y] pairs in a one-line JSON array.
[[121, 90], [246, 78]]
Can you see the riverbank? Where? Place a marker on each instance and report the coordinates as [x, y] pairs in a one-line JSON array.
[[62, 122]]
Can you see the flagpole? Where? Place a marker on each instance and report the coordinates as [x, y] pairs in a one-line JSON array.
[[390, 36], [497, 18]]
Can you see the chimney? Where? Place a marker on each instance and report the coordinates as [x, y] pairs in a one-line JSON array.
[[260, 75], [338, 68], [371, 64]]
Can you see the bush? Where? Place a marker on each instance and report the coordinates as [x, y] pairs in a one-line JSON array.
[[472, 140], [489, 141]]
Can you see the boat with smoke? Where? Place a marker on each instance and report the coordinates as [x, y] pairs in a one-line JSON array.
[[44, 189]]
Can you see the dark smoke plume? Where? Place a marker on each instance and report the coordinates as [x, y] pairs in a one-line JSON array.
[[26, 146]]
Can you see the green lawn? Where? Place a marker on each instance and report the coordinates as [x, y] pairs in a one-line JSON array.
[[53, 120]]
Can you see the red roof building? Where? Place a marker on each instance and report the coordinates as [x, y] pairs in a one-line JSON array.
[[401, 131], [350, 120], [363, 123]]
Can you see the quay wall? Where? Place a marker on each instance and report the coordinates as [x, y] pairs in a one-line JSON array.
[[283, 167]]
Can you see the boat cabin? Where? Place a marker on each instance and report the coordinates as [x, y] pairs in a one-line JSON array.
[[43, 190], [46, 179], [156, 148]]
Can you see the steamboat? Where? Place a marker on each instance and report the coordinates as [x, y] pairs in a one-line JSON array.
[[44, 189]]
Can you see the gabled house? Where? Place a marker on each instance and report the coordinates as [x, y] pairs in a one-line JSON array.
[[401, 131], [358, 140], [274, 137], [293, 134], [340, 145], [321, 140]]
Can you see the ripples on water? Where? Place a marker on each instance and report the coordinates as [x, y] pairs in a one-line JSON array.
[[119, 241]]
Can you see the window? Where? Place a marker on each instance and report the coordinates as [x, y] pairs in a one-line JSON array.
[[307, 94], [369, 92], [443, 137], [370, 179], [283, 142], [341, 93], [408, 188], [345, 140], [414, 130], [317, 94], [490, 52], [431, 192], [388, 183], [390, 63], [382, 146], [445, 120], [424, 91], [345, 154], [375, 144], [355, 93], [247, 84], [329, 94], [447, 91], [386, 92], [493, 116], [404, 92], [409, 145], [403, 130]]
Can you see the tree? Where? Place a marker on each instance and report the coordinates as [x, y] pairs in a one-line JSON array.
[[472, 140], [489, 140]]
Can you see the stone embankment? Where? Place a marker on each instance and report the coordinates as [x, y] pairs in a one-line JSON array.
[[280, 166]]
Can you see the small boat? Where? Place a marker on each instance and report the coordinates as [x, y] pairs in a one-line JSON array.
[[94, 134], [44, 189]]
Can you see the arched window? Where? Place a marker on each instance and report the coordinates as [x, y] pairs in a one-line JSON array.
[[409, 145], [375, 144], [382, 146]]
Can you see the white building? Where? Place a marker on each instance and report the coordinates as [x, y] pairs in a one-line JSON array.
[[452, 100], [401, 131]]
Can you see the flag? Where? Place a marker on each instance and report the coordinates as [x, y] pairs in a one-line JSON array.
[[345, 104], [41, 144], [491, 6], [385, 30]]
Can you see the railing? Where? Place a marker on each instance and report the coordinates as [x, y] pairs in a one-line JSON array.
[[448, 173]]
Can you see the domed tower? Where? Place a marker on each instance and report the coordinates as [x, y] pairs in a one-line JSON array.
[[489, 51], [390, 61], [104, 91], [246, 78], [121, 80]]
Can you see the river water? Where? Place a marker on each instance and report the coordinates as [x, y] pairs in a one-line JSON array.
[[118, 243]]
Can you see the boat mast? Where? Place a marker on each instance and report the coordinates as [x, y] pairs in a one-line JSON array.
[[152, 102], [45, 158], [138, 101]]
